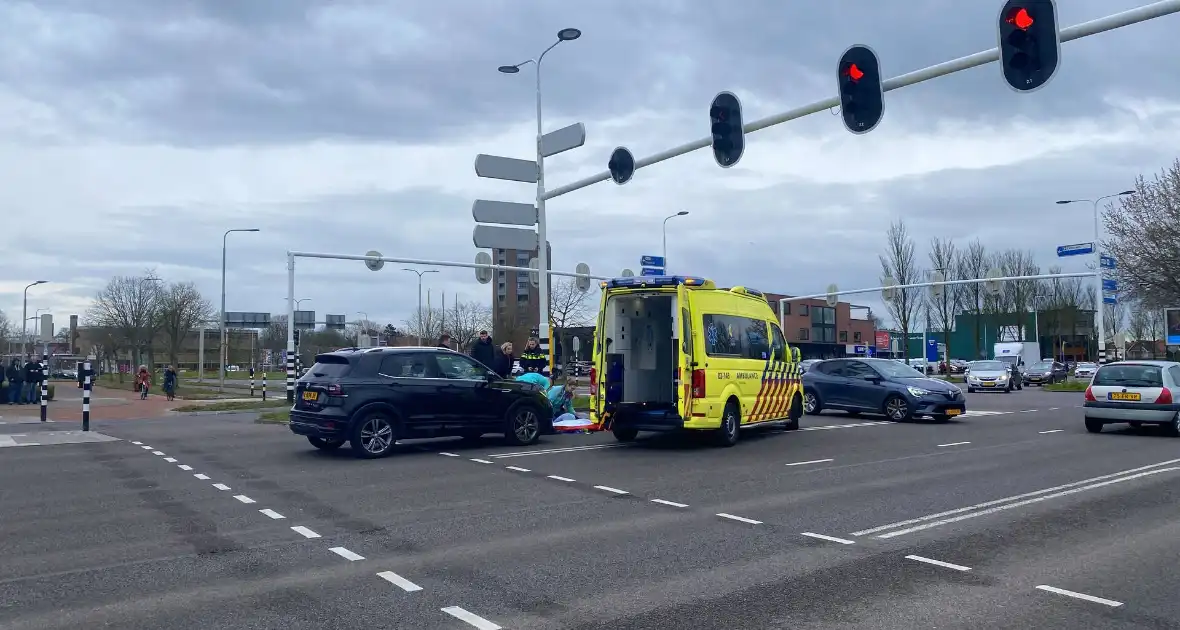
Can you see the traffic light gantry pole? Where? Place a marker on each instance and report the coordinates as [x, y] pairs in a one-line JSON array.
[[1077, 31]]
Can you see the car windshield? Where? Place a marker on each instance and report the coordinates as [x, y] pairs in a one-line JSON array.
[[1042, 366], [893, 369], [1086, 366], [1130, 375], [989, 366]]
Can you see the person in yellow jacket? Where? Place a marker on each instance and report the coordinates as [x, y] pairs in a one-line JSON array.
[[533, 358]]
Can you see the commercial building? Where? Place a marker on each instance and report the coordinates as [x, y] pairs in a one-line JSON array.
[[823, 332]]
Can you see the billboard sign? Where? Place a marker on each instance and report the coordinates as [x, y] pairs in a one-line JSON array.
[[238, 319], [881, 339], [1172, 326], [305, 319], [334, 322]]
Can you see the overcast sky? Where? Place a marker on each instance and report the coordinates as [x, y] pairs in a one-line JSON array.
[[134, 132]]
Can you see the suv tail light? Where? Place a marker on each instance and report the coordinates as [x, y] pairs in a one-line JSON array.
[[1165, 397], [593, 381], [335, 390], [698, 383], [1090, 394]]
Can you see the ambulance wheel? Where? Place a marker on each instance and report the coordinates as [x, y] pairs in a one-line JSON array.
[[796, 412], [731, 422], [625, 434]]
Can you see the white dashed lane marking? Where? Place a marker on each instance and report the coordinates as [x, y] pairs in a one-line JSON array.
[[305, 532], [147, 448], [202, 476], [470, 618], [559, 478], [221, 486], [160, 453], [954, 444], [399, 581], [1082, 596], [271, 513], [448, 454], [184, 467], [244, 499], [548, 451], [611, 490], [842, 541], [518, 469], [1053, 431], [739, 518], [351, 556], [138, 443], [939, 563], [813, 461], [170, 460], [671, 503], [480, 461]]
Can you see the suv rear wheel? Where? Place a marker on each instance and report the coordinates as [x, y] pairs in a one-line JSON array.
[[524, 426], [373, 435]]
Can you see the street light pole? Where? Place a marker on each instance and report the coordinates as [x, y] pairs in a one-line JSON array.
[[421, 322], [221, 344], [564, 35], [24, 335], [665, 233], [1098, 300]]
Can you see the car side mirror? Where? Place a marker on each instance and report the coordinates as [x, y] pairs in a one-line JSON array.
[[871, 377]]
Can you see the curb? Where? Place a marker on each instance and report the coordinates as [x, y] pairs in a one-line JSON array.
[[225, 412]]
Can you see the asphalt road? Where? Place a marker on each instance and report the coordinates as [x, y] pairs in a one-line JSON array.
[[1012, 517]]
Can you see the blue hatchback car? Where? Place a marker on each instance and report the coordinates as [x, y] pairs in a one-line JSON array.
[[879, 386]]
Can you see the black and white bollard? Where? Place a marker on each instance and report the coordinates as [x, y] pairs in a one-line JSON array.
[[251, 385], [44, 388], [86, 385], [264, 387], [291, 377]]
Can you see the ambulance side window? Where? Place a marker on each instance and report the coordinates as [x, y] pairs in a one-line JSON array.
[[686, 334], [778, 345]]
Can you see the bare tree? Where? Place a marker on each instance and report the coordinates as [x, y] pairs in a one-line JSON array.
[[4, 327], [1155, 329], [1017, 295], [1141, 235], [465, 320], [1137, 324], [181, 308], [1114, 320], [427, 324], [569, 307], [943, 301], [972, 263], [129, 306], [274, 336], [900, 262]]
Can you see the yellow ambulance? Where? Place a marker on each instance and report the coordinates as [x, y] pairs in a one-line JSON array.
[[676, 353]]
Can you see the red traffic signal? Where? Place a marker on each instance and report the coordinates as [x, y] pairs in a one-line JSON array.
[[1020, 18], [854, 72], [862, 97]]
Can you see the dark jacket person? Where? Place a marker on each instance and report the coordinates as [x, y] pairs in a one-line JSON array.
[[483, 350]]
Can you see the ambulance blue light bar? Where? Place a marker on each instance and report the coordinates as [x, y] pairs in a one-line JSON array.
[[654, 281]]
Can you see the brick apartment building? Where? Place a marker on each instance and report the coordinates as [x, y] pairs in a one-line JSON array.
[[514, 299], [821, 331]]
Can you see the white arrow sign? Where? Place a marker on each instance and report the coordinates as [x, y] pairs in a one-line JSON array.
[[510, 169]]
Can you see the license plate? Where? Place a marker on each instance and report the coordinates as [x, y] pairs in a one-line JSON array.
[[311, 396], [988, 384], [953, 412], [1124, 396]]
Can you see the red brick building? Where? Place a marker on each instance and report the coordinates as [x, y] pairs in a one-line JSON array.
[[821, 331]]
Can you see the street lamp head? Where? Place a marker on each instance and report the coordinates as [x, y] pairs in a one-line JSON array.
[[509, 69], [251, 230], [568, 34], [682, 213], [1127, 192], [40, 282]]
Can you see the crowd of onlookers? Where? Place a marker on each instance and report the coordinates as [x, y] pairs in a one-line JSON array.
[[24, 382], [501, 358]]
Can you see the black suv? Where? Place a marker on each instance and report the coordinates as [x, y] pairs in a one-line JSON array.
[[373, 397]]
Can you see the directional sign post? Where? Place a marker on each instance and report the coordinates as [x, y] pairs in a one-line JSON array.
[[1077, 249], [563, 140], [1110, 285], [509, 169], [498, 237], [654, 264], [1107, 262], [505, 212], [1110, 299], [650, 271]]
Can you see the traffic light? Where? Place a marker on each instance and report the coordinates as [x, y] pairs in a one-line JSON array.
[[1030, 46], [862, 101], [296, 336], [621, 165], [729, 140]]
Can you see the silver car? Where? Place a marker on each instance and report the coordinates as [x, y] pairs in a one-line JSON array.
[[1134, 392], [988, 376], [1085, 370]]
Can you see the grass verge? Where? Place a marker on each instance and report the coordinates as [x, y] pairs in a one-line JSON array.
[[1067, 386], [278, 416], [233, 405]]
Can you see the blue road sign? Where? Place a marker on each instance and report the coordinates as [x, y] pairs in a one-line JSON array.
[[872, 351], [1110, 299], [1110, 285], [1076, 249], [932, 350], [651, 261], [1107, 262], [858, 349], [651, 271]]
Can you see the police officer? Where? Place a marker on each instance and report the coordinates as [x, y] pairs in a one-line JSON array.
[[533, 359]]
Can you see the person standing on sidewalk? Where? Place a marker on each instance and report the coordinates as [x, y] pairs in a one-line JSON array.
[[32, 382], [16, 383], [170, 381]]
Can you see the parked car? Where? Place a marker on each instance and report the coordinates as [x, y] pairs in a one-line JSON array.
[[1135, 392], [989, 376], [1045, 373], [807, 364], [1085, 370], [879, 386], [374, 397]]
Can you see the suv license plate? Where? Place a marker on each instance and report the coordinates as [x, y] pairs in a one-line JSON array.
[[311, 396], [953, 412]]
